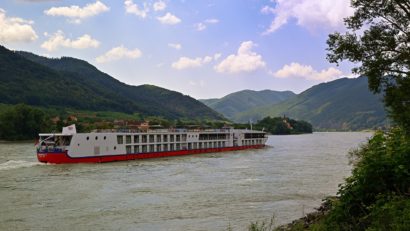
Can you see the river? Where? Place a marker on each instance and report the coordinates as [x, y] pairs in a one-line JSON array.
[[214, 191]]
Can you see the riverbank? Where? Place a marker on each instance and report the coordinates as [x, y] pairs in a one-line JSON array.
[[375, 197]]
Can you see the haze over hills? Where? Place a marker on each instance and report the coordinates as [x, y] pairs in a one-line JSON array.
[[237, 102], [73, 83], [343, 104]]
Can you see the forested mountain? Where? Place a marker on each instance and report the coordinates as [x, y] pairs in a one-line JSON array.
[[73, 83], [241, 101], [343, 104]]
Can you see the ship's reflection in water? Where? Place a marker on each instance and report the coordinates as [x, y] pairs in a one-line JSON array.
[[201, 192]]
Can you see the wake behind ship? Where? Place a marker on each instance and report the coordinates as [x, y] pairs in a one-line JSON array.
[[106, 146]]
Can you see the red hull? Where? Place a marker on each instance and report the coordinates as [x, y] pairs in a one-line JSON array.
[[63, 158]]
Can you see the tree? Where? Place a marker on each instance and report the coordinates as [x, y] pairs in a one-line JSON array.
[[22, 122], [378, 41]]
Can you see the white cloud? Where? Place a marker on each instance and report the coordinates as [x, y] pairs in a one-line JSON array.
[[296, 70], [211, 21], [312, 14], [159, 6], [77, 13], [176, 46], [117, 53], [200, 26], [244, 61], [203, 25], [58, 40], [185, 62], [132, 8], [169, 19], [15, 29], [267, 10]]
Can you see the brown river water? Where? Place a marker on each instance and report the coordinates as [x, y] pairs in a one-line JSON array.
[[213, 191]]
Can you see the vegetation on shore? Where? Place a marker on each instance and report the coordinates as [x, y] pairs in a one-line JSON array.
[[24, 122], [280, 126]]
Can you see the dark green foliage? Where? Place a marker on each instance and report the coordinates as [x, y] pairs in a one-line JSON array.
[[22, 122], [283, 126], [279, 126], [72, 83], [343, 104], [377, 195], [245, 100], [378, 41]]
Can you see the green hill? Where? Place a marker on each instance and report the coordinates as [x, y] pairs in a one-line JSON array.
[[73, 83], [241, 101], [343, 104]]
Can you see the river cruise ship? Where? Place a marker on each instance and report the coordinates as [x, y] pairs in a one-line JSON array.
[[120, 145]]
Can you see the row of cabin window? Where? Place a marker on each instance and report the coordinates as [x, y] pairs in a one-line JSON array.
[[150, 138], [251, 142], [254, 135], [172, 147]]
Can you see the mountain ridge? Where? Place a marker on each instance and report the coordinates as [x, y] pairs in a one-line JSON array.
[[342, 104], [236, 102], [74, 83]]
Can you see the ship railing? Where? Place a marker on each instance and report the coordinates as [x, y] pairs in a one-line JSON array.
[[170, 130], [49, 149]]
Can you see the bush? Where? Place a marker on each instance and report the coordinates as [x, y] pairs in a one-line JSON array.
[[380, 178]]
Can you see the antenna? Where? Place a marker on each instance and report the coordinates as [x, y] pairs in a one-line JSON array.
[[250, 122]]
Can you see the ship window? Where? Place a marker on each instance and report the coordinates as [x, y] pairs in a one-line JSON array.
[[151, 138], [144, 138], [151, 148], [115, 147], [144, 148], [128, 139], [88, 138], [165, 147], [200, 145], [136, 139], [105, 137], [119, 139], [171, 147], [165, 138], [158, 138], [96, 138], [78, 144], [158, 147], [178, 147], [178, 138], [189, 146], [136, 149], [128, 149]]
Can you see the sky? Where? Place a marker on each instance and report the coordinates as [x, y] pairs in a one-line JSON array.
[[205, 49]]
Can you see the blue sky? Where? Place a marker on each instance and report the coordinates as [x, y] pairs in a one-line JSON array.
[[204, 49]]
